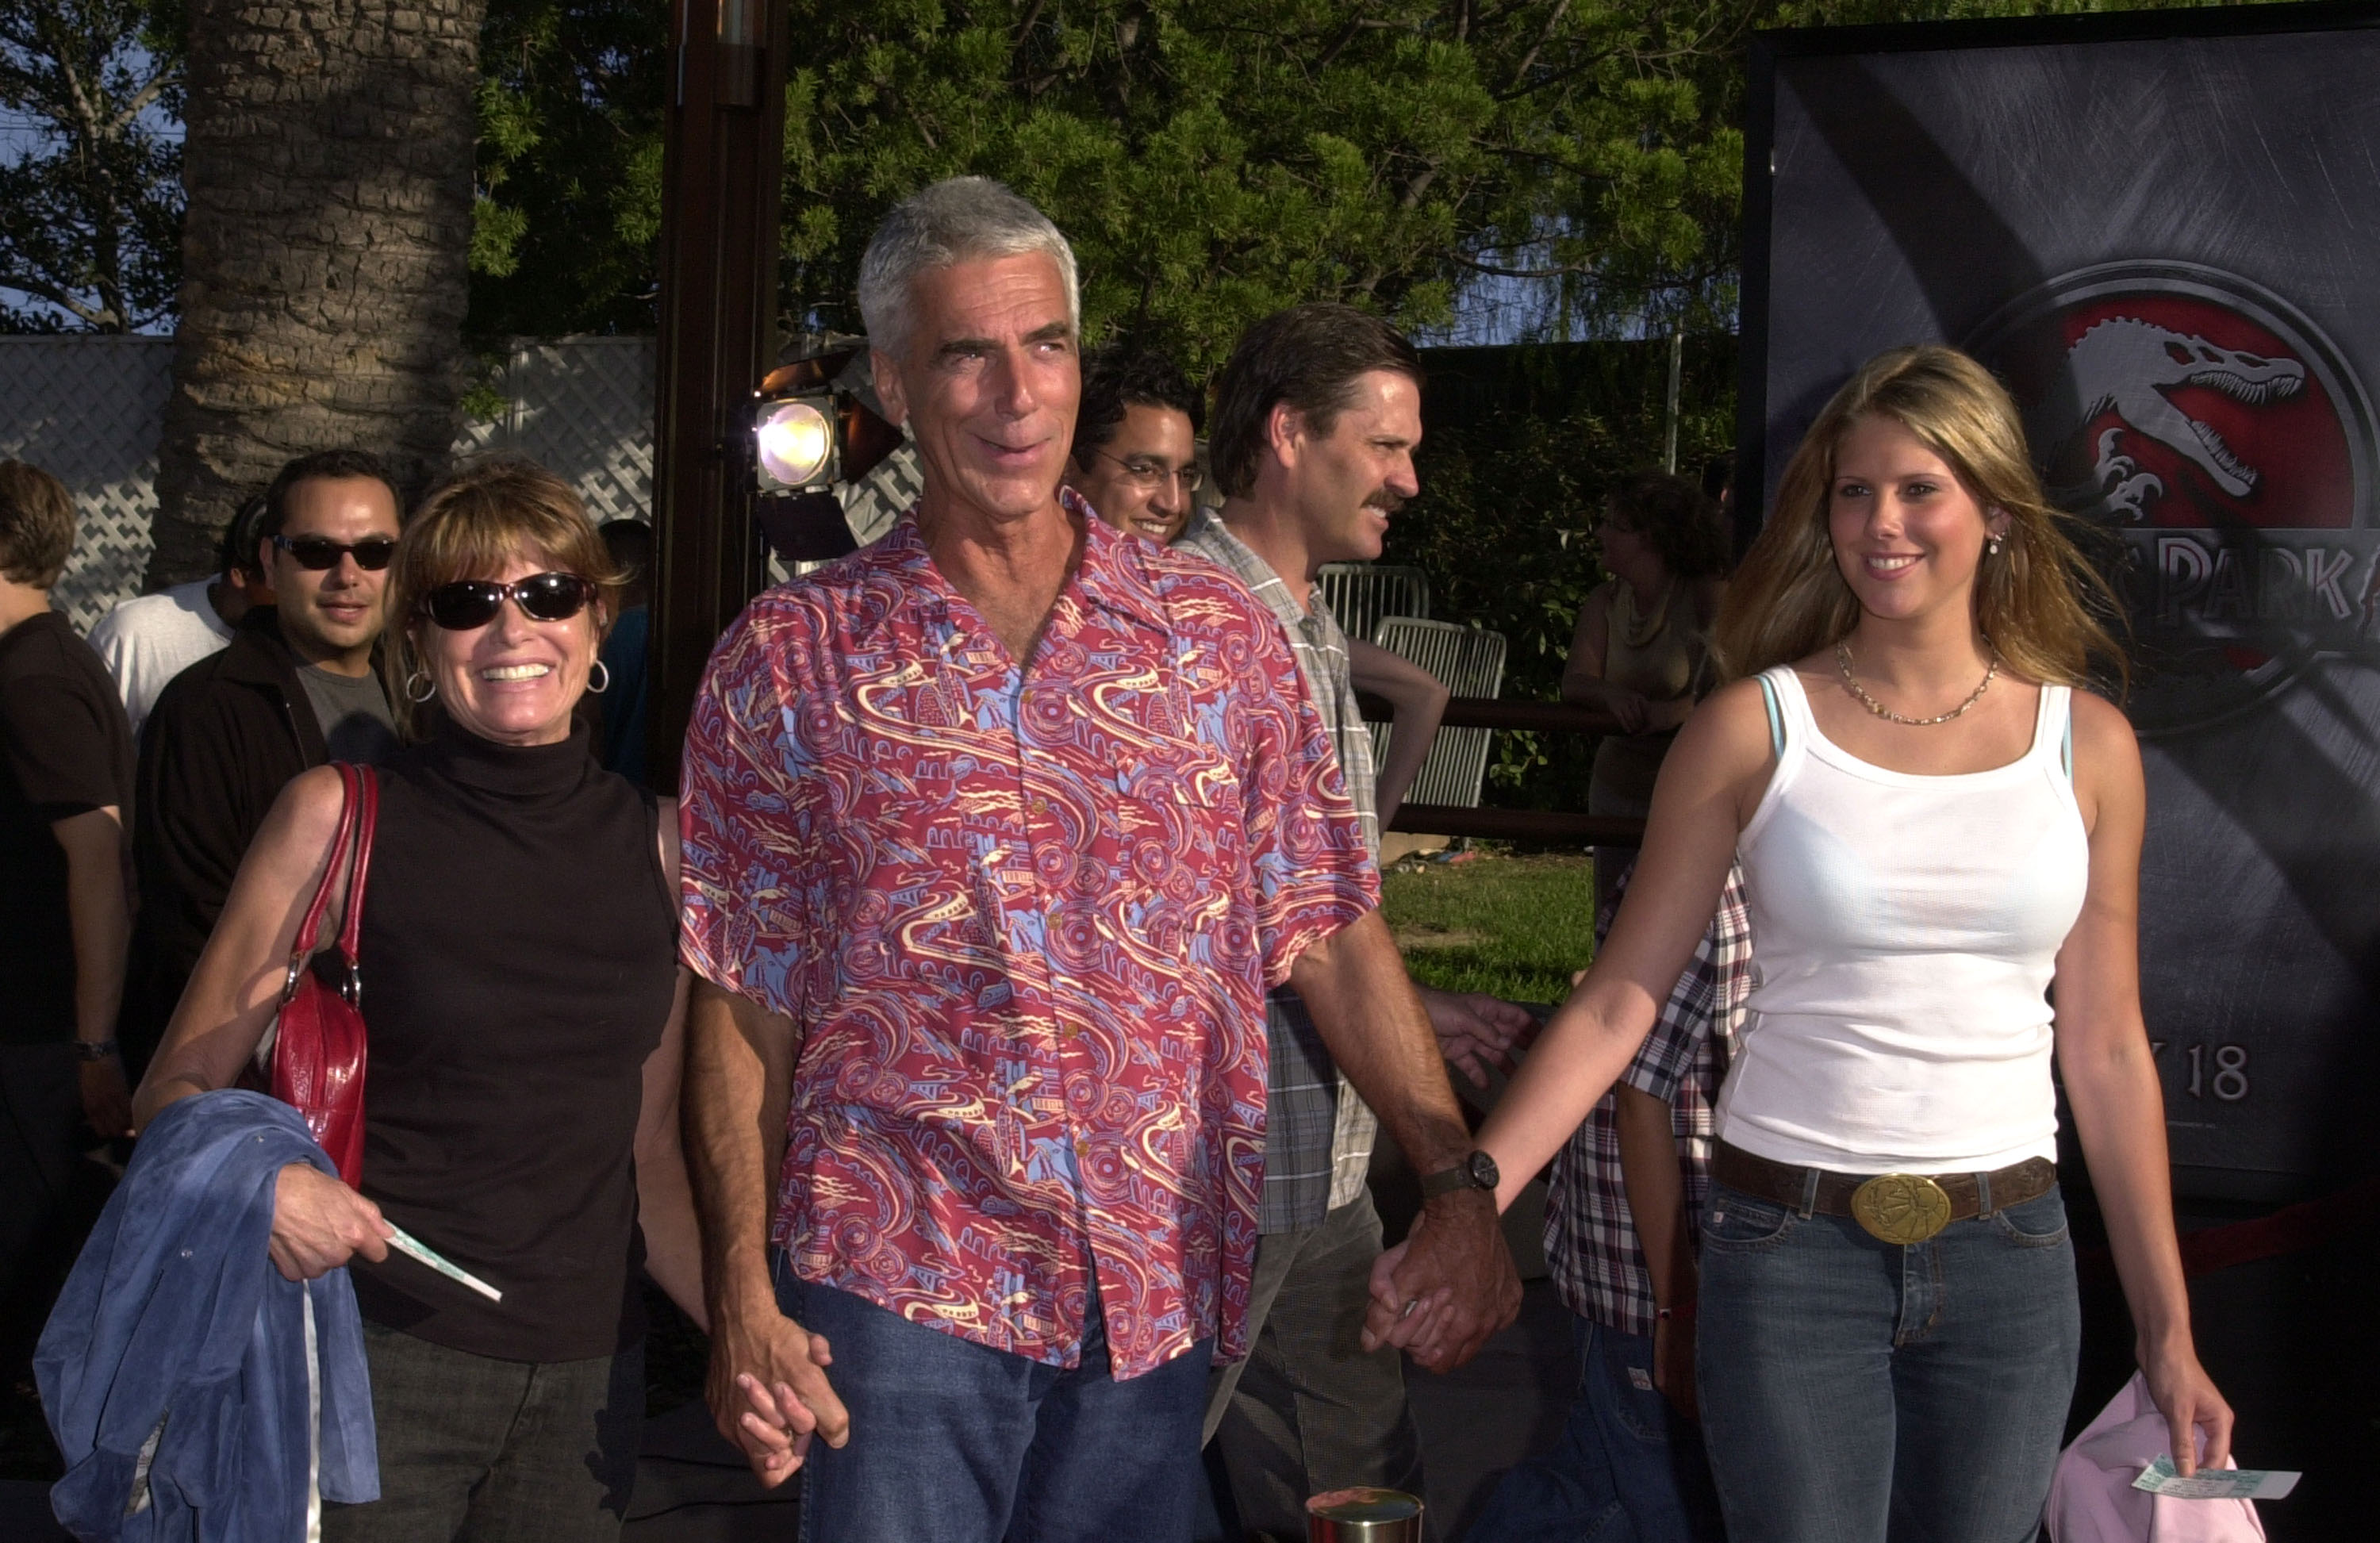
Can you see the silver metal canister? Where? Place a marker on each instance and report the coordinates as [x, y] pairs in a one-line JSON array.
[[1363, 1516]]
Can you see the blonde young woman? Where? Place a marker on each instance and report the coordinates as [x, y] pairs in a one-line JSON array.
[[1935, 819]]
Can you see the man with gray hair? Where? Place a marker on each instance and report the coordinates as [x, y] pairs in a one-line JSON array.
[[995, 834]]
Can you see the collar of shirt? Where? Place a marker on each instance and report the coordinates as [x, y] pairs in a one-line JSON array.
[[1111, 575]]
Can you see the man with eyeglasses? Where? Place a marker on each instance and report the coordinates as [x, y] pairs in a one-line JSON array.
[[296, 688], [1136, 453]]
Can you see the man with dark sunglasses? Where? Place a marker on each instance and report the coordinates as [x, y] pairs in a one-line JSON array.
[[298, 687]]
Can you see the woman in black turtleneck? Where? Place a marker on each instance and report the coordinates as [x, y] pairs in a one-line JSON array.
[[522, 1004]]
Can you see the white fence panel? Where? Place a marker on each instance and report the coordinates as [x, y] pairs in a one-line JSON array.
[[91, 410]]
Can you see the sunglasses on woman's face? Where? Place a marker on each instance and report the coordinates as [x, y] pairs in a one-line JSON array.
[[320, 554], [542, 597]]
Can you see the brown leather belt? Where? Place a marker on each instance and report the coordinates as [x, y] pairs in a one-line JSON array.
[[1896, 1208]]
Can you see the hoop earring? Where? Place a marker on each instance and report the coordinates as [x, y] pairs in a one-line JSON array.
[[419, 687], [593, 689]]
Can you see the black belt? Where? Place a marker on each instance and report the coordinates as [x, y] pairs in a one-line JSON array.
[[1897, 1207]]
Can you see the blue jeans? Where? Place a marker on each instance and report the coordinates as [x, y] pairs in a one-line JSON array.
[[1628, 1468], [1854, 1390], [960, 1443]]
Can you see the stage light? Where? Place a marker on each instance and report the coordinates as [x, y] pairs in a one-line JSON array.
[[796, 442], [814, 429]]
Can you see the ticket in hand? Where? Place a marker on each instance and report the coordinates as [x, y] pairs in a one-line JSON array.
[[406, 1243], [2217, 1484]]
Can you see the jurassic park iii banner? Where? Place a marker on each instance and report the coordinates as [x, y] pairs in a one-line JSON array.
[[2169, 246]]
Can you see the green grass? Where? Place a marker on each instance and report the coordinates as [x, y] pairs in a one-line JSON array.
[[1514, 926]]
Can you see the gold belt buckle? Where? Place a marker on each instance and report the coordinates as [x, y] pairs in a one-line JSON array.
[[1901, 1208]]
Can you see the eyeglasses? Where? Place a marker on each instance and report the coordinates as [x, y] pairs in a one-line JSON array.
[[320, 554], [1147, 475], [542, 597]]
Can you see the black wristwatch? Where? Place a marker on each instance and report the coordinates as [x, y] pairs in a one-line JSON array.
[[1475, 1171]]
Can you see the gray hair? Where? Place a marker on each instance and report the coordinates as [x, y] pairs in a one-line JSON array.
[[959, 219]]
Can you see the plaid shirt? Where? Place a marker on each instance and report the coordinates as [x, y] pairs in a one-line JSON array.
[[1591, 1245], [1319, 1133]]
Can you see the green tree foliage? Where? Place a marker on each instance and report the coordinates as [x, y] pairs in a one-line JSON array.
[[1520, 446], [91, 196], [1214, 160], [568, 216]]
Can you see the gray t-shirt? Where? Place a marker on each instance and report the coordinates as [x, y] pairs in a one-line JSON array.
[[354, 713]]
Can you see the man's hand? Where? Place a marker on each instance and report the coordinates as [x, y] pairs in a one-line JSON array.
[[1673, 1361], [769, 1393], [1450, 1286], [1475, 1030], [106, 1102], [320, 1223]]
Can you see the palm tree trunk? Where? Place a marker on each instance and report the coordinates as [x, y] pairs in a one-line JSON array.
[[328, 165]]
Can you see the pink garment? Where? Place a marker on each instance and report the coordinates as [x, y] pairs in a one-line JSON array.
[[2092, 1499]]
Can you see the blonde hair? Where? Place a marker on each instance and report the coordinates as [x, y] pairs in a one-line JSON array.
[[2043, 607], [470, 525]]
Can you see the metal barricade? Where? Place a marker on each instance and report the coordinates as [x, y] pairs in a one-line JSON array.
[[1467, 660], [1359, 594]]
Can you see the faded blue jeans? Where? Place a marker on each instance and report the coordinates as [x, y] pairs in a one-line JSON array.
[[1855, 1391], [1628, 1468], [955, 1442]]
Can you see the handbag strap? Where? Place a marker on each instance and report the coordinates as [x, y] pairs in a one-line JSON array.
[[364, 786], [310, 931]]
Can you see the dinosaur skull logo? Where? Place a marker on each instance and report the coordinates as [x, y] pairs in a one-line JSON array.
[[2222, 450]]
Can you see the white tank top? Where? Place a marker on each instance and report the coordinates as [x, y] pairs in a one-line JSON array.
[[1905, 929]]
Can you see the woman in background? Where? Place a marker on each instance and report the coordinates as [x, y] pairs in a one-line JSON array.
[[1641, 650], [523, 1009]]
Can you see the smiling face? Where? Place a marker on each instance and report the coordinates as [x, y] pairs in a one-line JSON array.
[[1908, 535], [1345, 484], [331, 616], [1134, 479], [515, 679], [988, 379]]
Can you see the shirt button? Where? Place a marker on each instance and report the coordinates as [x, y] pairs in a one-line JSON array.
[[1040, 804]]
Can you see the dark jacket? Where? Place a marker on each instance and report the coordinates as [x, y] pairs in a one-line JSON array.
[[176, 1329], [226, 738]]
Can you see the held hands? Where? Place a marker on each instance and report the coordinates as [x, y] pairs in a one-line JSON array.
[[768, 1391], [2186, 1396], [1475, 1030], [1443, 1292], [320, 1223]]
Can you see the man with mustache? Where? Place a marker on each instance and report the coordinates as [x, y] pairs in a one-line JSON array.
[[1316, 416]]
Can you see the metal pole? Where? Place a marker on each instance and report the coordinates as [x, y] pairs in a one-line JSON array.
[[1677, 368], [722, 171]]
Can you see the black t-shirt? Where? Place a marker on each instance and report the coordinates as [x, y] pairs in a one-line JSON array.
[[64, 750]]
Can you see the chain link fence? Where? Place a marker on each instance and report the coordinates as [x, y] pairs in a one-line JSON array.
[[90, 411]]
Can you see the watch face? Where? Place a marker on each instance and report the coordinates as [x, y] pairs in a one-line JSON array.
[[1483, 1171]]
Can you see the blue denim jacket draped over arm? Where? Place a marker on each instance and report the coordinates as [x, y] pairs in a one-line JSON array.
[[175, 1325]]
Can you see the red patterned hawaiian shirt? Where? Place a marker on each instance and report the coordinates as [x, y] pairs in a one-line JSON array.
[[1024, 923]]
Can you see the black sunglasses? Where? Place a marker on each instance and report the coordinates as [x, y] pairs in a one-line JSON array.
[[320, 554], [542, 597]]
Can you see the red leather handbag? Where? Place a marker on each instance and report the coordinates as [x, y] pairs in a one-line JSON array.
[[318, 1042]]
